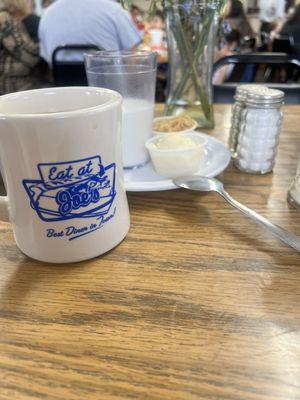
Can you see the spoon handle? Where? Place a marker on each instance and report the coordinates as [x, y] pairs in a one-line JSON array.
[[282, 234]]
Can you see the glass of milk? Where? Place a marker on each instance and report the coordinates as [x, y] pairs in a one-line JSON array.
[[133, 75]]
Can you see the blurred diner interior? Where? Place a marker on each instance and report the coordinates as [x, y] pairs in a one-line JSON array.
[[37, 34], [197, 303]]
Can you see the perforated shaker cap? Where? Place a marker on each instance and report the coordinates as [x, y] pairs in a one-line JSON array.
[[265, 97], [242, 91]]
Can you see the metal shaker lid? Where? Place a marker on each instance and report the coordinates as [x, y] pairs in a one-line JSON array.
[[243, 90], [265, 97]]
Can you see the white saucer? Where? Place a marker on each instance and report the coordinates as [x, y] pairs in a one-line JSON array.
[[145, 179]]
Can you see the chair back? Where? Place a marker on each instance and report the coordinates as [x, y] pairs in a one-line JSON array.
[[224, 93], [68, 64], [283, 44]]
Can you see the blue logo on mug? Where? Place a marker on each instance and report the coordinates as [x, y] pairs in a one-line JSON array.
[[72, 189]]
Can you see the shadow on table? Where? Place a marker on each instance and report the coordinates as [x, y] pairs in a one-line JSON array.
[[30, 275], [182, 205]]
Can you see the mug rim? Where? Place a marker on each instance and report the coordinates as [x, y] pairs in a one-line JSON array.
[[115, 98]]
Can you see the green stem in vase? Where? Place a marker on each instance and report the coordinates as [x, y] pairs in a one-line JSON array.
[[187, 53], [200, 44], [126, 4]]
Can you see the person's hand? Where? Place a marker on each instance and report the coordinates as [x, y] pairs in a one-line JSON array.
[[278, 26], [273, 35]]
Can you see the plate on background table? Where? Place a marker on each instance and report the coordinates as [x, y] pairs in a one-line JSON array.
[[145, 179]]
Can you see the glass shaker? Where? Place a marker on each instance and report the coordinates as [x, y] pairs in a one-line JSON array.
[[261, 123], [240, 97], [294, 191], [236, 115]]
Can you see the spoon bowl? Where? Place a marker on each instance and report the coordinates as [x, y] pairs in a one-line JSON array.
[[199, 183]]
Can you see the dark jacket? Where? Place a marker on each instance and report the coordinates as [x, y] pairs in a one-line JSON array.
[[31, 23]]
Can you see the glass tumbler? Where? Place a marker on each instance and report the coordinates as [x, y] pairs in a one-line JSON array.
[[133, 75]]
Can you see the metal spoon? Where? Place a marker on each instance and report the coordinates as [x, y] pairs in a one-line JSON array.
[[203, 184]]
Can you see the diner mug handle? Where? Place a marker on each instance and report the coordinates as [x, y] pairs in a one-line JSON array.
[[4, 209]]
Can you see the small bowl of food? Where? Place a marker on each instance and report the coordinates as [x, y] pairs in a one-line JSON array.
[[177, 124], [177, 154]]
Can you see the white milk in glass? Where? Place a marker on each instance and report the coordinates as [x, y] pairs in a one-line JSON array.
[[137, 129], [133, 76]]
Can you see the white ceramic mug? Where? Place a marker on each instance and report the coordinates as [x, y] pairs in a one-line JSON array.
[[61, 159]]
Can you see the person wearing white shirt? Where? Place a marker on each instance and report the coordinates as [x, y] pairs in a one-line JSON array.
[[271, 15], [103, 23]]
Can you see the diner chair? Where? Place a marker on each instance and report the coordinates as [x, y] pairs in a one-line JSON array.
[[2, 187], [281, 44], [224, 93], [161, 82], [68, 64]]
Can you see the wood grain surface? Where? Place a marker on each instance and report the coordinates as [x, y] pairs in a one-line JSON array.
[[197, 303]]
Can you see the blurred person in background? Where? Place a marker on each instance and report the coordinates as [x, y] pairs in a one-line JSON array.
[[19, 54], [271, 15], [41, 5], [103, 23], [158, 21], [47, 3], [228, 48], [155, 36], [31, 22], [236, 18], [292, 28], [137, 18], [289, 6]]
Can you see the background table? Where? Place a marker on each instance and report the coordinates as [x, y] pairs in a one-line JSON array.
[[197, 303]]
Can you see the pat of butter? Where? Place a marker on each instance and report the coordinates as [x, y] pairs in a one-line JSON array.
[[175, 142], [176, 155]]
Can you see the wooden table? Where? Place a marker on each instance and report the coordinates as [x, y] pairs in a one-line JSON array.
[[197, 303]]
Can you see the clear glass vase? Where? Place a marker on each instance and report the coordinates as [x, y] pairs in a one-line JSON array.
[[191, 31]]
